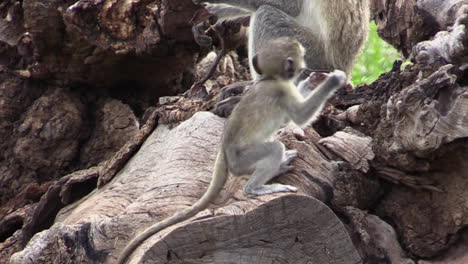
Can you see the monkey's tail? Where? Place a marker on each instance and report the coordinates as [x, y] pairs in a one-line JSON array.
[[218, 180]]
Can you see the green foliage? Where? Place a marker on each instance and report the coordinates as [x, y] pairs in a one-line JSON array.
[[377, 58]]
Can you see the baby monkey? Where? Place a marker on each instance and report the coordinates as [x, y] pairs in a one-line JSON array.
[[248, 146]]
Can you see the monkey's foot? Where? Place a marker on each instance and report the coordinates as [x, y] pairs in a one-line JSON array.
[[294, 129], [289, 155], [271, 188], [284, 168]]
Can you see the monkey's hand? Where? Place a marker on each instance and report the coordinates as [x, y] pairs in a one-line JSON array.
[[205, 1], [336, 79], [230, 97], [292, 129], [199, 35], [201, 20], [310, 82], [225, 107]]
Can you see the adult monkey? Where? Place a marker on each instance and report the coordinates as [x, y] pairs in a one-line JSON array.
[[332, 32]]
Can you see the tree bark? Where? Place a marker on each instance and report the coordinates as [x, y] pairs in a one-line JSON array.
[[293, 228]]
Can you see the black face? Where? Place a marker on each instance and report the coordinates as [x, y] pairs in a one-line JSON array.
[[289, 69], [255, 65]]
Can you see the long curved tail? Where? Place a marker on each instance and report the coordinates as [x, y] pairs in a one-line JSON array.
[[218, 180]]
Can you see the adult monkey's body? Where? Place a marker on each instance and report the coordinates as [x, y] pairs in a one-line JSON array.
[[248, 147], [331, 31]]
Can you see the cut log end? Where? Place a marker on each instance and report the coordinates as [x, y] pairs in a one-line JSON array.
[[286, 228]]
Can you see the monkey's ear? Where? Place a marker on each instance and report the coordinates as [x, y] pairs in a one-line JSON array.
[[289, 68], [255, 65]]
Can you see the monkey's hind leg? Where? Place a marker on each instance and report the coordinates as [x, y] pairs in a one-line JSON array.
[[285, 166], [273, 161]]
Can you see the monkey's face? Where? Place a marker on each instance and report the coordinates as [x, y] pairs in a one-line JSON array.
[[292, 67], [281, 58]]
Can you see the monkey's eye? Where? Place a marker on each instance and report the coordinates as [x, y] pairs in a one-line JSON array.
[[289, 69]]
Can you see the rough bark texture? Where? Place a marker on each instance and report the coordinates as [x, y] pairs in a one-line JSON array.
[[287, 227], [77, 79], [110, 44], [421, 128]]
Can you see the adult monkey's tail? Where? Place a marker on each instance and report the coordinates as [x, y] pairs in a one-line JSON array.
[[218, 180]]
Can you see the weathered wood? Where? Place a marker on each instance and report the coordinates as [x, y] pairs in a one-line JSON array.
[[429, 113], [351, 146], [427, 222], [458, 254], [417, 118], [202, 97], [111, 166], [285, 229], [171, 170], [376, 239], [75, 79], [405, 23]]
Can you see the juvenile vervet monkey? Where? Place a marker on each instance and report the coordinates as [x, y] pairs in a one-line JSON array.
[[248, 147], [331, 31]]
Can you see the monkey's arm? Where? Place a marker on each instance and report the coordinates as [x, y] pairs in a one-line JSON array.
[[302, 111], [291, 7], [224, 12], [308, 80]]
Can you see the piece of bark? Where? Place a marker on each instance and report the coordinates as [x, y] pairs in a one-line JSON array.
[[375, 238], [429, 113], [48, 135], [409, 119], [406, 23], [426, 221], [170, 172], [353, 188], [43, 131], [104, 44], [66, 190], [333, 182], [10, 240], [115, 124], [445, 47], [109, 168], [416, 116], [458, 254], [351, 146], [232, 68]]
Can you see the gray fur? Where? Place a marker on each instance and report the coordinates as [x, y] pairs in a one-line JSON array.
[[332, 31]]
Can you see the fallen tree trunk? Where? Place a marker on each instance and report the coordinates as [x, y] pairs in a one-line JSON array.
[[178, 164]]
